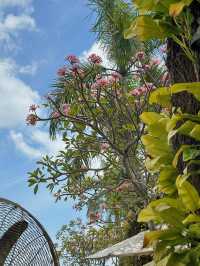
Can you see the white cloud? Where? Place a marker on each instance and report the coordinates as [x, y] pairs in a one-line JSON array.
[[21, 145], [37, 138], [16, 23], [97, 49], [28, 69], [15, 96], [12, 3], [11, 25]]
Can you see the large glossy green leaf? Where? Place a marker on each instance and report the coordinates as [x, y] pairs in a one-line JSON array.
[[190, 154], [167, 179], [176, 8], [150, 118], [194, 230], [161, 96], [167, 234], [192, 218], [195, 133], [193, 88], [188, 194], [145, 28]]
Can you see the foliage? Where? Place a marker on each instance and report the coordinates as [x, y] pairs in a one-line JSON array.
[[178, 210], [96, 110], [164, 19]]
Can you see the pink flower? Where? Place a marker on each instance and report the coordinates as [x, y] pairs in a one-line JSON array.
[[75, 69], [66, 108], [155, 62], [72, 59], [102, 82], [138, 91], [94, 217], [33, 107], [140, 55], [61, 71], [95, 59], [104, 146], [31, 119], [116, 76], [150, 86], [146, 67], [55, 114]]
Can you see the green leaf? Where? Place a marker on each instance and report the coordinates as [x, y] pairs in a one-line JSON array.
[[186, 128], [150, 118], [190, 154], [176, 259], [36, 189], [176, 8], [195, 133], [194, 230], [148, 214], [167, 179], [145, 28], [178, 153], [161, 96], [173, 217], [191, 218], [193, 87], [188, 194], [165, 202], [168, 234], [145, 5]]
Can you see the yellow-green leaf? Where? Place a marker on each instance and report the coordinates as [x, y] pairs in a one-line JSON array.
[[195, 133], [193, 87], [176, 8], [191, 218], [166, 180], [161, 96], [188, 194], [145, 28], [150, 117], [148, 214]]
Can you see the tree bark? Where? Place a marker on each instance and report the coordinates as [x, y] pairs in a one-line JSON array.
[[181, 70]]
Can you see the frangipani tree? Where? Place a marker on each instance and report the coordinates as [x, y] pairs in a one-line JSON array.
[[96, 110]]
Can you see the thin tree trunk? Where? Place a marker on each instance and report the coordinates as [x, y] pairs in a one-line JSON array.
[[181, 69]]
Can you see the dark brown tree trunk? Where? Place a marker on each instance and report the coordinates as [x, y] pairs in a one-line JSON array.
[[181, 69]]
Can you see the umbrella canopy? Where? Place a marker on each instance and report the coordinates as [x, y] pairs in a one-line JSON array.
[[130, 247]]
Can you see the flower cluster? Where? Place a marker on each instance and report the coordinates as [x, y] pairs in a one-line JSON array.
[[95, 59], [142, 90], [73, 59], [94, 217], [61, 71], [140, 55], [31, 119], [104, 147], [115, 76], [64, 109]]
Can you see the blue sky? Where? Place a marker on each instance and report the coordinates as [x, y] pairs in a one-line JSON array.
[[35, 36]]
